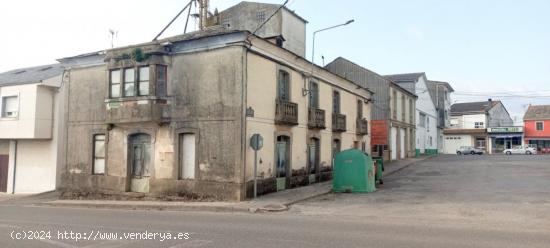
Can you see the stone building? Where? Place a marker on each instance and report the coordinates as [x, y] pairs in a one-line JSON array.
[[175, 116], [393, 121]]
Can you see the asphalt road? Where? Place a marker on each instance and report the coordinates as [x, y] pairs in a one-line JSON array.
[[449, 201]]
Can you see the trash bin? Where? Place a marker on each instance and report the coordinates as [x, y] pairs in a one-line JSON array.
[[379, 165], [353, 172]]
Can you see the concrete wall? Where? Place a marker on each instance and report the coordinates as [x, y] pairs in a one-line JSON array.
[[402, 123], [243, 16], [35, 115], [204, 97], [468, 121], [499, 117]]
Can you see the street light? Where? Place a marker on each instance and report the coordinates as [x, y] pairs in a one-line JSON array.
[[320, 30]]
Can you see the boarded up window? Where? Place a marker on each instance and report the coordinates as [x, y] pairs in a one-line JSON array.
[[187, 156]]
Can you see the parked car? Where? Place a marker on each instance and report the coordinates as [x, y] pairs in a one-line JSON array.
[[521, 150], [469, 150]]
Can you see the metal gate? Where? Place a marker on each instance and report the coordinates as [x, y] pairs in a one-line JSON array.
[[4, 173]]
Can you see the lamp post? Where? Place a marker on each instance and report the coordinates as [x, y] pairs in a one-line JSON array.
[[324, 29]]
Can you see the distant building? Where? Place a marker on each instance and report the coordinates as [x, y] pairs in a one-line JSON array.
[[485, 125], [440, 93], [537, 127], [286, 28], [426, 114], [32, 101], [393, 111]]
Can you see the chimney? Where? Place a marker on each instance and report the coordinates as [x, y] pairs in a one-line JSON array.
[[203, 13]]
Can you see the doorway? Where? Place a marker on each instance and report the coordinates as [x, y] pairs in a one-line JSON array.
[[313, 160], [4, 173], [282, 162], [139, 162]]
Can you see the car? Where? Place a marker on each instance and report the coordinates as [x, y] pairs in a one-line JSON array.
[[521, 150], [469, 150]]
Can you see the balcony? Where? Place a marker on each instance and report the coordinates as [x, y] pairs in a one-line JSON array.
[[338, 122], [316, 118], [286, 113], [362, 126], [136, 110]]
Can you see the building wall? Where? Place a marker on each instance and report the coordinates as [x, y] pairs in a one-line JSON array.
[[531, 131], [205, 98], [468, 121], [243, 16], [35, 119], [261, 96], [401, 123], [424, 104], [499, 117]]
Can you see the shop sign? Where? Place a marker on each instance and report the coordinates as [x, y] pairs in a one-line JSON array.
[[505, 130]]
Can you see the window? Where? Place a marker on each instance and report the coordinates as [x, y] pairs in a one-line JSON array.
[[540, 126], [129, 82], [187, 156], [260, 16], [10, 106], [359, 109], [454, 122], [403, 108], [115, 83], [431, 141], [427, 124], [411, 111], [143, 81], [226, 21], [336, 102], [283, 86], [99, 154], [313, 95], [478, 124], [162, 79], [394, 104], [422, 120]]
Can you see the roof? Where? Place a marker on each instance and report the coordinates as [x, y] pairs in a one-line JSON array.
[[447, 85], [406, 77], [472, 107], [30, 75], [537, 112], [345, 61]]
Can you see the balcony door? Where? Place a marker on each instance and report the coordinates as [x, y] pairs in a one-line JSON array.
[[139, 162]]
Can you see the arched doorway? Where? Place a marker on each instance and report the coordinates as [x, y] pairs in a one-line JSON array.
[[139, 162], [282, 162]]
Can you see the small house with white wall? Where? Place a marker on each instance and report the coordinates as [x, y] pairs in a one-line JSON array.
[[31, 124]]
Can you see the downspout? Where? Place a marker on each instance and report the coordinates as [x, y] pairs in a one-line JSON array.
[[14, 167], [243, 116]]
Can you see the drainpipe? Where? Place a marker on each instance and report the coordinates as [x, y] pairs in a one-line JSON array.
[[14, 167]]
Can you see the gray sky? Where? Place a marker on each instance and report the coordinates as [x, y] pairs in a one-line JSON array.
[[484, 48]]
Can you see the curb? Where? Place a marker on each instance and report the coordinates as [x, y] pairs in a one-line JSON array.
[[159, 207]]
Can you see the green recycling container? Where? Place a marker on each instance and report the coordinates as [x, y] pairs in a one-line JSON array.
[[353, 172], [379, 176]]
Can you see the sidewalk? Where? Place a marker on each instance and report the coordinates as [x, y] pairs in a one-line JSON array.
[[279, 201]]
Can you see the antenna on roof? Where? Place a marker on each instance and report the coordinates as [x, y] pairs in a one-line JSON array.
[[188, 5], [266, 20]]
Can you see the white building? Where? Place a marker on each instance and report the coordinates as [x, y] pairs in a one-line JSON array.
[[441, 96], [469, 123], [426, 114], [31, 128]]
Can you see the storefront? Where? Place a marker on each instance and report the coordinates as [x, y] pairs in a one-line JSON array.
[[502, 138]]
